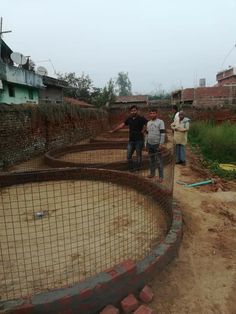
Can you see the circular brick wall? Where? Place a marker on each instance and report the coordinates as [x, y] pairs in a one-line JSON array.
[[113, 284]]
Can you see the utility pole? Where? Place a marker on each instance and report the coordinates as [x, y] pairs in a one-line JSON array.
[[2, 32]]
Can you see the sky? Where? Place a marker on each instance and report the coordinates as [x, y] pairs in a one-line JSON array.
[[163, 45]]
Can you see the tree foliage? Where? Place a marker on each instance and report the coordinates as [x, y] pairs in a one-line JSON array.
[[79, 87], [123, 84], [82, 88], [105, 95]]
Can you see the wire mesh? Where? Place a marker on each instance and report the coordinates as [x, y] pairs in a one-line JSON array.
[[36, 163], [115, 157], [101, 156], [57, 233]]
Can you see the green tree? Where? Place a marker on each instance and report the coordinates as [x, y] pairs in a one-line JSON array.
[[123, 84], [79, 87], [159, 93], [105, 95]]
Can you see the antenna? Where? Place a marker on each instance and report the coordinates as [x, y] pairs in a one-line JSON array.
[[227, 55], [2, 32], [42, 71], [18, 58], [50, 61]]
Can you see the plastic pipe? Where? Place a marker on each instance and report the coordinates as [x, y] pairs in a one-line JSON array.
[[200, 183]]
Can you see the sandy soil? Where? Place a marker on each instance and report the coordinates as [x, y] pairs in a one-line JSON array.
[[203, 278], [87, 227]]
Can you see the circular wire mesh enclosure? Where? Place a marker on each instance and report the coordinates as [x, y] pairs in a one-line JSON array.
[[63, 226], [104, 155], [111, 155]]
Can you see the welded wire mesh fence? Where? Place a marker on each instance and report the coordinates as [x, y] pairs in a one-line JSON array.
[[57, 233]]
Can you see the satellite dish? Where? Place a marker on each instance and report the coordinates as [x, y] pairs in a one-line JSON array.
[[42, 71], [18, 58]]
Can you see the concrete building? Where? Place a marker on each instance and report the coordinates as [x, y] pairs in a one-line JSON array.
[[53, 90], [17, 84], [20, 84]]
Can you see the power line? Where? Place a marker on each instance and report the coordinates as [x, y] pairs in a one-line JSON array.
[[227, 55]]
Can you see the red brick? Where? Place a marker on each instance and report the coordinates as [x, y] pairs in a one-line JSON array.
[[146, 295], [24, 309], [129, 304], [128, 265], [67, 300], [113, 273], [86, 293], [143, 309], [110, 309]]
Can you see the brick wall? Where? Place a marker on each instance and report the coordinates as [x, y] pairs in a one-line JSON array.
[[165, 113], [228, 80], [25, 133], [215, 91], [188, 94], [207, 97]]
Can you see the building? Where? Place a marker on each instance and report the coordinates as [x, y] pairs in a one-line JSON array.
[[21, 84], [17, 84], [53, 90], [220, 95], [128, 101], [76, 102], [226, 77]]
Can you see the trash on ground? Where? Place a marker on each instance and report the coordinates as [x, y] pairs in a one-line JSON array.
[[228, 167]]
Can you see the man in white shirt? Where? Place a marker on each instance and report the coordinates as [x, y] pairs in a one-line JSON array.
[[155, 138], [180, 127], [176, 112]]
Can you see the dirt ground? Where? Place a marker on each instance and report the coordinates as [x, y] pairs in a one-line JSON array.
[[202, 279]]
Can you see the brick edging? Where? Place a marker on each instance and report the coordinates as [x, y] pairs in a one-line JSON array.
[[52, 160]]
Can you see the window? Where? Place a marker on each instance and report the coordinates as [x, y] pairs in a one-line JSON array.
[[31, 94], [11, 90]]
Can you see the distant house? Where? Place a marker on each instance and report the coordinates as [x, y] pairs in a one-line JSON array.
[[219, 95], [227, 77], [17, 84], [53, 90], [79, 103], [128, 101]]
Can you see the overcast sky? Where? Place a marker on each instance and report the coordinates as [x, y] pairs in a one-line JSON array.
[[162, 44]]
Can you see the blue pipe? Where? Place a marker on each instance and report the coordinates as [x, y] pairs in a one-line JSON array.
[[200, 183]]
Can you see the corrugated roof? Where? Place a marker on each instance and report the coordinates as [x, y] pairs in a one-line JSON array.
[[131, 99], [48, 80], [77, 102]]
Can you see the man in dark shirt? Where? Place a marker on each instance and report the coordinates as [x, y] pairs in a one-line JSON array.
[[136, 124]]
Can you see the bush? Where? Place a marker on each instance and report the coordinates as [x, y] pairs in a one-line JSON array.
[[217, 143]]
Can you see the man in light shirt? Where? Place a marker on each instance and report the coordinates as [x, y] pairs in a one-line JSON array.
[[155, 138], [180, 127], [176, 112]]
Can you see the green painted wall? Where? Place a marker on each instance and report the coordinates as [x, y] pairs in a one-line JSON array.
[[21, 94]]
